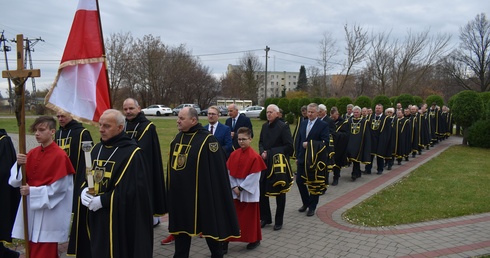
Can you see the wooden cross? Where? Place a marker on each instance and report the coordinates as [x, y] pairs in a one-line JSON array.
[[19, 78]]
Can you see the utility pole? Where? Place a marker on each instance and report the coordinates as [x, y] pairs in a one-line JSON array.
[[266, 59], [29, 47], [6, 49]]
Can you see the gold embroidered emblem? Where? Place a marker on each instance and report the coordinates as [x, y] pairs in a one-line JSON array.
[[355, 128], [375, 124], [99, 173], [181, 160], [213, 146]]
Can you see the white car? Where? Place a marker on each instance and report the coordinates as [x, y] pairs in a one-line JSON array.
[[252, 111], [157, 110]]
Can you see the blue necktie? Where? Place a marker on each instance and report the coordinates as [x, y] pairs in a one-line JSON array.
[[233, 124]]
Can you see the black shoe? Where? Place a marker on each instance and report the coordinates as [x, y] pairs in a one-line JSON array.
[[277, 227], [354, 177], [335, 182], [253, 245], [303, 208], [399, 162], [310, 212], [389, 168], [367, 172], [263, 223], [380, 172]]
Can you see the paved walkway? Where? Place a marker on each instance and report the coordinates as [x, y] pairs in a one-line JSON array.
[[327, 235]]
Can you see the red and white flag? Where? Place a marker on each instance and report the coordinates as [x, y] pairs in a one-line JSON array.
[[81, 86]]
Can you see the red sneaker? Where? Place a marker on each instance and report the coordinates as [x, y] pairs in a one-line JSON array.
[[168, 240]]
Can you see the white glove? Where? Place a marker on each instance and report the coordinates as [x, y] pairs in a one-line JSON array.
[[85, 197], [95, 204]]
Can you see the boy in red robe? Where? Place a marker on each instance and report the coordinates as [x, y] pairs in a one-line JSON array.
[[244, 167]]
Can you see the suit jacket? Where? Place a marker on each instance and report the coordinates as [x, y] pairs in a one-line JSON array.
[[242, 121], [318, 132], [223, 134]]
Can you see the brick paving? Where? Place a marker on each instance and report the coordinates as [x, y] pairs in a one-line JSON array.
[[327, 235]]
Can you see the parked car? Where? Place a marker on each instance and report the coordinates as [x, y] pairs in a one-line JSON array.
[[177, 109], [157, 110], [223, 111], [252, 111]]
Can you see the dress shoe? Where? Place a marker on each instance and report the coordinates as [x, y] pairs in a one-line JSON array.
[[303, 208], [399, 162], [277, 227], [263, 223], [354, 177], [310, 212], [389, 168], [335, 181], [253, 245], [379, 172], [367, 172]]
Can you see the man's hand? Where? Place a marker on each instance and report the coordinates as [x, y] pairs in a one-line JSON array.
[[21, 159], [95, 204], [85, 197]]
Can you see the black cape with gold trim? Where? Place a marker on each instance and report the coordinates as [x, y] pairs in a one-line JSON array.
[[199, 193], [316, 159], [123, 227], [276, 139], [381, 130], [340, 140], [70, 140], [10, 196], [144, 132], [359, 145]]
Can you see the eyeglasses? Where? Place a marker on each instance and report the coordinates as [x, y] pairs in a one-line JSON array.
[[60, 116], [212, 114], [242, 139]]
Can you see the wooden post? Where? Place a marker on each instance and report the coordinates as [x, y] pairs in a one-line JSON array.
[[19, 77]]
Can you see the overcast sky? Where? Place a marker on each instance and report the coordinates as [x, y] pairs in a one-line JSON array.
[[220, 31]]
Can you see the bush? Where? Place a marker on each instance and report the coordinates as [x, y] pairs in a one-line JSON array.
[[317, 100], [468, 108], [383, 100], [479, 134], [418, 101], [363, 101], [289, 118], [330, 102], [284, 105], [405, 100], [342, 104], [293, 106], [40, 109], [303, 102], [263, 114], [434, 98]]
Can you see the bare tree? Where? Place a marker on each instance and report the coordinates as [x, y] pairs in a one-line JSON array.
[[469, 65], [328, 50], [356, 50], [380, 63], [243, 81], [315, 81], [118, 51]]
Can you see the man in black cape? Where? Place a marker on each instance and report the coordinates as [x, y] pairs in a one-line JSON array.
[[359, 145], [10, 195], [275, 146], [69, 137], [120, 214], [144, 132], [340, 140], [401, 135], [380, 139], [199, 192]]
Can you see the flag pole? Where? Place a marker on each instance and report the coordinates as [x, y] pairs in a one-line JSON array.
[[104, 55]]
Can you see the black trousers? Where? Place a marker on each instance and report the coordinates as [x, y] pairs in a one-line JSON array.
[[183, 246], [265, 208]]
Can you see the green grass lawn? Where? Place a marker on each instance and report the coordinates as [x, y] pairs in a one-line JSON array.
[[455, 183]]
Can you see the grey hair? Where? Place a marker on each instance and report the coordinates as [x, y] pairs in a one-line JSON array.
[[118, 116], [313, 105], [274, 107]]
